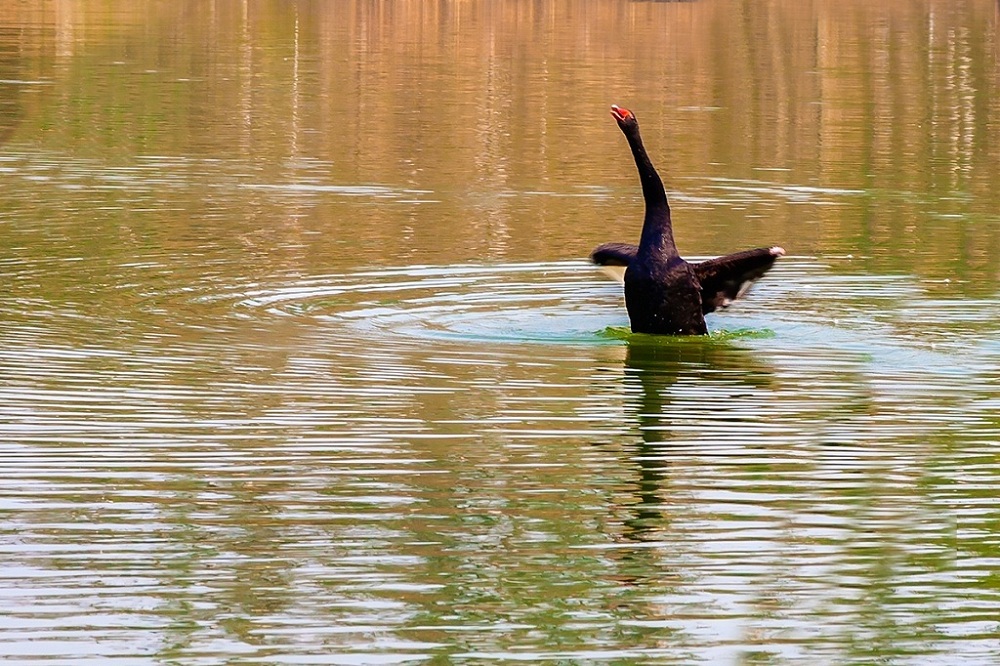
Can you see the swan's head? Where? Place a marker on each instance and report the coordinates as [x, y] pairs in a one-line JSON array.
[[625, 118]]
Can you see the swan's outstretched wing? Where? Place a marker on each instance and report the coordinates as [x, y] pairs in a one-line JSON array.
[[723, 279], [727, 278], [613, 258], [613, 254]]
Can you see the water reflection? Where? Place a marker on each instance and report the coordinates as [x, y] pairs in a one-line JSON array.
[[848, 105], [683, 384], [10, 83], [300, 358]]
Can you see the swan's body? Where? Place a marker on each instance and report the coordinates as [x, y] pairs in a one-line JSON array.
[[663, 293]]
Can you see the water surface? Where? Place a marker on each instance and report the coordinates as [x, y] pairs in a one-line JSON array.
[[302, 360]]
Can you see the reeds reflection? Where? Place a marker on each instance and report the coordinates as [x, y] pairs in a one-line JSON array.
[[486, 104], [301, 360]]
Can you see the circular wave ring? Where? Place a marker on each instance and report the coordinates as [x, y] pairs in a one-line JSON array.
[[558, 302]]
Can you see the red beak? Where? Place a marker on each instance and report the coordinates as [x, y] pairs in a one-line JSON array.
[[620, 113]]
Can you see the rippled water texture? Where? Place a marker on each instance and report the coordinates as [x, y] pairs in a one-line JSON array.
[[302, 362]]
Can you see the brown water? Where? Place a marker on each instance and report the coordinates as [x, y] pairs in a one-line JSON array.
[[301, 361]]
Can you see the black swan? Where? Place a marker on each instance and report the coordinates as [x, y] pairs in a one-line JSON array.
[[664, 294]]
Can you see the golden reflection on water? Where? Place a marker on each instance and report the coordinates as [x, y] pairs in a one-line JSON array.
[[299, 358], [491, 101]]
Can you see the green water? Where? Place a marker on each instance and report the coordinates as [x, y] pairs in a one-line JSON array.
[[301, 360]]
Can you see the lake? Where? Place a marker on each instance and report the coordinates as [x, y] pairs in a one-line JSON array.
[[302, 360]]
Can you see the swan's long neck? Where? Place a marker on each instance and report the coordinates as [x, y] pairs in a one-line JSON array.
[[657, 237]]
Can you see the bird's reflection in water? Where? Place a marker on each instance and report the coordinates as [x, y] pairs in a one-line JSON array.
[[678, 384]]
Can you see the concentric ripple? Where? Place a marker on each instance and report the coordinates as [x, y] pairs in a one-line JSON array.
[[532, 302], [802, 304]]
